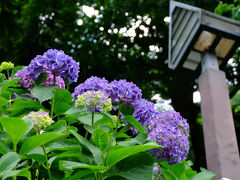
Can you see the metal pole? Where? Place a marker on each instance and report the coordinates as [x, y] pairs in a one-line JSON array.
[[219, 133]]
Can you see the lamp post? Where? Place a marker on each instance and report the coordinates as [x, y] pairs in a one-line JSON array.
[[199, 37]]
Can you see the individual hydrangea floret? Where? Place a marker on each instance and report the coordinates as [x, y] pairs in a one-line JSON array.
[[95, 101], [55, 62], [144, 112], [25, 79], [162, 107], [124, 91], [171, 131], [6, 66], [91, 84], [50, 81], [40, 119]]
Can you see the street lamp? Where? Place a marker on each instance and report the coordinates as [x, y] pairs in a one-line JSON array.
[[196, 37]]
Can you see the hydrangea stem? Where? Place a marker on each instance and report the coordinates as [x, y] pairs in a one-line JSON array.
[[158, 174], [47, 165], [54, 79], [86, 134], [52, 105], [15, 150], [15, 147], [119, 111], [10, 100], [7, 74], [52, 101], [10, 96], [92, 118]]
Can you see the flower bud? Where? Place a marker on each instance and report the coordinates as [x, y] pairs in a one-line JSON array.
[[40, 119], [95, 101], [6, 66]]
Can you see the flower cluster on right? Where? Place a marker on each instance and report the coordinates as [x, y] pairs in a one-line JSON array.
[[163, 124]]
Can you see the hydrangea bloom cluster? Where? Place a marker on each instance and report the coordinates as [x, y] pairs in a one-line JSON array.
[[54, 62], [95, 101], [124, 91], [40, 119], [28, 82], [163, 124], [117, 90], [6, 66], [91, 84], [170, 131]]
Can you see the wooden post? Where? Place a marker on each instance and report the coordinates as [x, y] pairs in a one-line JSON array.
[[219, 133]]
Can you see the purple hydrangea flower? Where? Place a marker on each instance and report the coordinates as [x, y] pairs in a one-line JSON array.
[[50, 82], [170, 131], [55, 62], [124, 91], [25, 79], [144, 112], [28, 82], [91, 84]]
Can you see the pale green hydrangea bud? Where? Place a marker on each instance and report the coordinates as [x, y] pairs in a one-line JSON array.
[[6, 66], [40, 119], [95, 101]]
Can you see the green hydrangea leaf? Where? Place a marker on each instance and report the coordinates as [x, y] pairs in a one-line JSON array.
[[116, 155], [101, 138], [23, 173], [43, 93], [20, 107], [38, 140], [139, 166], [204, 175], [6, 84], [87, 119], [134, 122], [70, 165], [15, 127], [3, 101], [96, 152], [77, 110], [8, 162], [62, 101]]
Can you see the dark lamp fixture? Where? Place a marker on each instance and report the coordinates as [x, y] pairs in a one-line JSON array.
[[193, 31]]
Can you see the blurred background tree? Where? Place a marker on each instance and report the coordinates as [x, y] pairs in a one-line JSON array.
[[115, 39]]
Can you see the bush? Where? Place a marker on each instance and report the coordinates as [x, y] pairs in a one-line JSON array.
[[103, 130]]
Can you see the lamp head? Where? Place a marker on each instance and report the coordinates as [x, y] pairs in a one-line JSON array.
[[192, 31]]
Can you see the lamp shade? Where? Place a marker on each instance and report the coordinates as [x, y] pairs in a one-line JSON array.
[[193, 30]]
